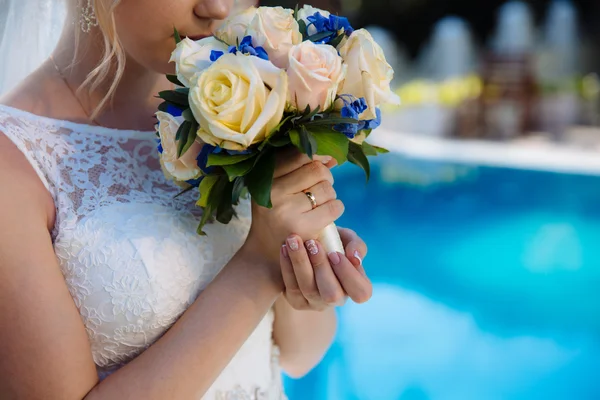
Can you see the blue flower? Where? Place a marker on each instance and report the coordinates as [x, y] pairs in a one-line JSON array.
[[159, 147], [195, 182], [332, 24], [202, 158], [246, 47], [353, 108], [371, 123], [215, 55], [174, 111]]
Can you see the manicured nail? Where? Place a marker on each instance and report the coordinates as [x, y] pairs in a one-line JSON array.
[[334, 258], [312, 247], [358, 257], [293, 243], [284, 251], [326, 160]]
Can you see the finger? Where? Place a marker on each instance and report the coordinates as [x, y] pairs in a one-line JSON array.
[[354, 247], [292, 290], [355, 284], [303, 269], [322, 191], [330, 289], [303, 178], [316, 220], [290, 160]]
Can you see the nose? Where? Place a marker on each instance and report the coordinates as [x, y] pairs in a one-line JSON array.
[[213, 9]]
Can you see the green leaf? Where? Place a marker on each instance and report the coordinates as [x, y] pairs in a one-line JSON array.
[[356, 156], [176, 98], [188, 115], [381, 150], [335, 42], [177, 36], [330, 143], [308, 141], [206, 185], [227, 159], [184, 191], [191, 138], [260, 179], [206, 214], [225, 211], [239, 169], [304, 141], [163, 106], [280, 141], [303, 28], [319, 36], [174, 79], [182, 136], [274, 132], [236, 192], [332, 121], [368, 149], [182, 131]]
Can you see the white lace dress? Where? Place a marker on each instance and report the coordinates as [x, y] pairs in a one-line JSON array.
[[128, 249]]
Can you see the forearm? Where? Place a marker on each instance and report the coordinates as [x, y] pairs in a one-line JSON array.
[[302, 336], [185, 362]]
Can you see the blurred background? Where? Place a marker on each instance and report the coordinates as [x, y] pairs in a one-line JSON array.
[[483, 223], [484, 220]]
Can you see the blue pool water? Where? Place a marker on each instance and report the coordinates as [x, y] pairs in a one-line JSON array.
[[487, 286]]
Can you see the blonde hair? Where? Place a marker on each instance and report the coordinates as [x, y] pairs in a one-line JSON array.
[[113, 58]]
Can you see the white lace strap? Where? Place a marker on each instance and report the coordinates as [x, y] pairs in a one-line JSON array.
[[18, 133]]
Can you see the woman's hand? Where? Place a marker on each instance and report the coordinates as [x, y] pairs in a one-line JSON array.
[[292, 210], [315, 280]]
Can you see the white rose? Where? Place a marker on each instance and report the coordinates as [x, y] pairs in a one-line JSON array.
[[233, 29], [276, 30], [315, 73], [185, 167], [369, 75], [309, 11], [191, 57], [238, 101]]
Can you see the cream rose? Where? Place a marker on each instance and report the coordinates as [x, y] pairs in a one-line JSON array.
[[191, 57], [185, 167], [309, 11], [369, 75], [238, 100], [233, 30], [275, 30], [315, 73]]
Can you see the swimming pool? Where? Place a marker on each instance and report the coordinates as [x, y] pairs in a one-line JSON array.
[[486, 281]]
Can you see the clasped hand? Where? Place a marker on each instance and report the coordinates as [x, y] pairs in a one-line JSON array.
[[315, 280]]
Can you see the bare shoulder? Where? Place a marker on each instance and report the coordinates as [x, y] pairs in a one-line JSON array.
[[38, 94], [45, 351], [22, 189]]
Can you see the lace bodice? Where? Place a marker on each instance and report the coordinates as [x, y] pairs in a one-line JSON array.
[[128, 249]]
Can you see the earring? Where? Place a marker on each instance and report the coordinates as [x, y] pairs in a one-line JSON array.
[[88, 17]]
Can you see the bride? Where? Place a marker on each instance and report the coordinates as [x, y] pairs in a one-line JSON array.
[[106, 290]]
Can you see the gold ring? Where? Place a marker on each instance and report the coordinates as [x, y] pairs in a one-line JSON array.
[[312, 198]]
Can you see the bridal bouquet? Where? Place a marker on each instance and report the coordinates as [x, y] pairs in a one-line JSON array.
[[269, 78]]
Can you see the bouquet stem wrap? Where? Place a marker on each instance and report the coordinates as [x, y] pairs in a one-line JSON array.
[[330, 239]]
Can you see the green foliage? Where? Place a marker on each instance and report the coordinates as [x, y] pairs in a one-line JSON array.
[[173, 79], [260, 179], [357, 156], [176, 35]]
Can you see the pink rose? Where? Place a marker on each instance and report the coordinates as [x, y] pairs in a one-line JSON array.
[[315, 73]]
